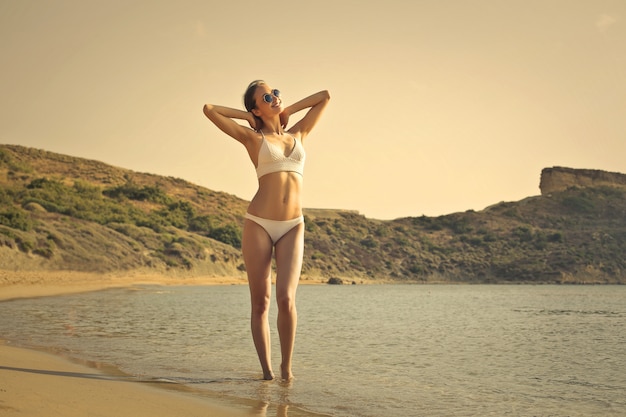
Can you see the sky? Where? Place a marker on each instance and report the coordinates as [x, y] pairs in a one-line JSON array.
[[437, 106]]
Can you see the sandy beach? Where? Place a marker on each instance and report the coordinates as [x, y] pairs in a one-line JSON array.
[[34, 383], [30, 284], [38, 384]]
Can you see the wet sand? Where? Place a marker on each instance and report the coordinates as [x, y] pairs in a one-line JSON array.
[[34, 383]]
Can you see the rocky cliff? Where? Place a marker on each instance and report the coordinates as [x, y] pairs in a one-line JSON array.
[[557, 179]]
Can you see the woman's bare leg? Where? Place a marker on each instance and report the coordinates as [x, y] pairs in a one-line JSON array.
[[257, 255], [289, 252]]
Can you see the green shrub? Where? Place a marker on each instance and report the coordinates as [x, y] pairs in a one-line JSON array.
[[132, 191], [8, 233], [45, 249], [4, 157], [14, 166], [555, 238], [86, 190], [177, 214], [202, 224], [25, 245], [16, 219], [489, 237], [472, 240], [460, 226], [369, 242], [213, 227], [229, 234], [579, 203], [317, 255], [309, 225], [524, 234], [415, 269]]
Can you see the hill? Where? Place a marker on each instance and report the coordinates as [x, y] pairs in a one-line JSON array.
[[65, 213]]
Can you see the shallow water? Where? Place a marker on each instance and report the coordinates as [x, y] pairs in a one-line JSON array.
[[388, 350]]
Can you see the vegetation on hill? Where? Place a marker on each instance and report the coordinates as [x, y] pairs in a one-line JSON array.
[[575, 236], [71, 213], [61, 212]]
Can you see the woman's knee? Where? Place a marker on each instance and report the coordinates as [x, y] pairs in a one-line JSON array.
[[260, 305], [286, 302]]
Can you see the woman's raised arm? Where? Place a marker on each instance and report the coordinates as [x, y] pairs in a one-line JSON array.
[[223, 117], [315, 103]]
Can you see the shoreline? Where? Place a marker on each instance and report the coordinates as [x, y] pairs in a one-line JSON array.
[[33, 284], [35, 383]]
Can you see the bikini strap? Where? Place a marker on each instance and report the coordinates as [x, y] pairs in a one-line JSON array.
[[295, 141]]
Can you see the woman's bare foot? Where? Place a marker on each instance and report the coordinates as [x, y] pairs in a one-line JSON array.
[[268, 375], [286, 373]]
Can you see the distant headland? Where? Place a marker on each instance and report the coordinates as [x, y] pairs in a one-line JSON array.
[[557, 179]]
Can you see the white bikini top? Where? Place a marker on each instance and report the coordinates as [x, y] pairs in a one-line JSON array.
[[272, 159]]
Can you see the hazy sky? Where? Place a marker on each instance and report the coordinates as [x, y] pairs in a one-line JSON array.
[[437, 106]]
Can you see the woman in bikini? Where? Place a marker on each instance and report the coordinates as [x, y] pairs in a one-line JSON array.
[[274, 221]]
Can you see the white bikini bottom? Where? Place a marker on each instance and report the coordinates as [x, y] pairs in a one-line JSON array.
[[275, 228]]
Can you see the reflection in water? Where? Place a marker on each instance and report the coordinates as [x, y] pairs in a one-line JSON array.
[[262, 410], [266, 390]]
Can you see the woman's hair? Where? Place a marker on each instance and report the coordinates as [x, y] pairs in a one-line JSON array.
[[249, 102]]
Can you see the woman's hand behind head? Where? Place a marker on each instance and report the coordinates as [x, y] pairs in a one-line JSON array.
[[255, 122]]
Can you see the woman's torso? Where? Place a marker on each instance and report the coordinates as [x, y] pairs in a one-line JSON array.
[[279, 193]]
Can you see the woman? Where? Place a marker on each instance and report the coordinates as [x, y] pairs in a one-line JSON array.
[[274, 221]]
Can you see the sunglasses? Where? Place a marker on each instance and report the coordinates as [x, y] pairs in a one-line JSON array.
[[267, 97]]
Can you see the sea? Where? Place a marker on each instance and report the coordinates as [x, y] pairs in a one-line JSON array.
[[361, 350]]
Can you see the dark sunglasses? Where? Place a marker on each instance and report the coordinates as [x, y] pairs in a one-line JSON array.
[[267, 97]]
